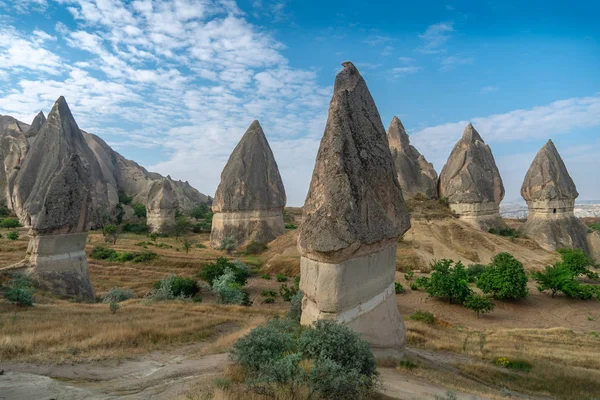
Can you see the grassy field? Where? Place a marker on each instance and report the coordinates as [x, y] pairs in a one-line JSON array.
[[558, 338]]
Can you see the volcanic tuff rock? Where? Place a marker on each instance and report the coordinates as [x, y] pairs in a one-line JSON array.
[[353, 216], [112, 173], [162, 204], [550, 194], [250, 198], [472, 183], [415, 174], [53, 191]]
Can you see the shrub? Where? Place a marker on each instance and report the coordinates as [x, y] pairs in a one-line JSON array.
[[179, 286], [138, 228], [414, 286], [295, 312], [269, 300], [103, 253], [421, 283], [12, 235], [123, 198], [268, 293], [398, 288], [291, 226], [117, 294], [507, 232], [111, 233], [475, 271], [578, 262], [19, 291], [199, 212], [505, 278], [449, 282], [267, 277], [479, 304], [187, 245], [200, 246], [4, 211], [560, 278], [519, 365], [594, 227], [162, 290], [444, 201], [114, 306], [287, 293], [139, 210], [228, 244], [423, 316], [202, 227], [153, 236], [256, 247], [10, 223], [281, 278], [212, 271], [409, 275], [228, 290]]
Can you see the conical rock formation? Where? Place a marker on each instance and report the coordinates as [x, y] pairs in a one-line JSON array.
[[36, 125], [249, 201], [415, 174], [54, 192], [471, 182], [353, 216], [550, 194], [162, 205]]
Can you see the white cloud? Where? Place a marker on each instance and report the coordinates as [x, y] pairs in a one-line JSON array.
[[488, 89], [436, 36], [404, 71], [454, 61], [18, 52], [406, 60]]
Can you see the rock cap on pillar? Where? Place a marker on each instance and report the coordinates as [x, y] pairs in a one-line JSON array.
[[354, 204], [415, 174], [36, 125], [250, 180]]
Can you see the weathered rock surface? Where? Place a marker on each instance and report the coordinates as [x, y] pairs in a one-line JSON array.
[[471, 182], [112, 173], [353, 216], [415, 174], [53, 192], [550, 194], [162, 205], [249, 201]]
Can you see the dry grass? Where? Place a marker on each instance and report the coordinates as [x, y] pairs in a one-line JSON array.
[[565, 364], [75, 332]]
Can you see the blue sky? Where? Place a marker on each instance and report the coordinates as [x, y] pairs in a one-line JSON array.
[[173, 84]]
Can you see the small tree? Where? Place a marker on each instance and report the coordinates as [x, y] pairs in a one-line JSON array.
[[111, 233], [100, 219], [199, 212], [187, 245], [12, 235], [228, 244], [505, 278], [578, 262], [449, 282], [479, 304], [139, 210], [182, 226], [19, 291]]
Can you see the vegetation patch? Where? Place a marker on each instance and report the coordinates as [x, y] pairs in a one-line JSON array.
[[103, 253]]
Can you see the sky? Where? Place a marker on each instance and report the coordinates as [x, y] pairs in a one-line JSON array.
[[174, 84]]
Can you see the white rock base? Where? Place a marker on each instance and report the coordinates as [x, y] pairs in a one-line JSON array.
[[358, 293], [246, 226], [482, 216]]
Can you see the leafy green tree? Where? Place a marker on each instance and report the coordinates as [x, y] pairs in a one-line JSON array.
[[199, 212], [212, 271], [111, 233], [578, 262], [139, 210], [449, 282], [181, 227], [504, 278], [123, 198], [479, 304], [9, 223], [19, 291], [187, 245], [560, 278]]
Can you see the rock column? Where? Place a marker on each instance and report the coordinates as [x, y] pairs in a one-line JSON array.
[[471, 182], [550, 194], [353, 216], [249, 201]]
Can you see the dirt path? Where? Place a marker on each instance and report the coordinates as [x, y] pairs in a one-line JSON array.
[[167, 374]]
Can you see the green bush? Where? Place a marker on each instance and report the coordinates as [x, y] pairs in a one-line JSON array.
[[139, 210], [561, 278], [123, 198], [409, 275], [421, 283], [10, 223], [201, 211], [256, 247], [479, 304], [414, 286], [19, 291], [281, 278], [12, 235], [117, 294], [594, 227], [507, 232], [202, 227], [200, 246], [267, 277], [423, 316], [103, 253], [504, 279], [228, 244], [475, 271], [269, 300], [342, 365], [4, 211], [114, 306], [295, 312], [179, 286], [578, 262], [268, 293], [398, 288], [212, 271], [291, 226], [287, 293], [138, 228], [228, 290], [449, 282]]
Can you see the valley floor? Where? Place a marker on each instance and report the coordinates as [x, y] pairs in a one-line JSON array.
[[176, 349]]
